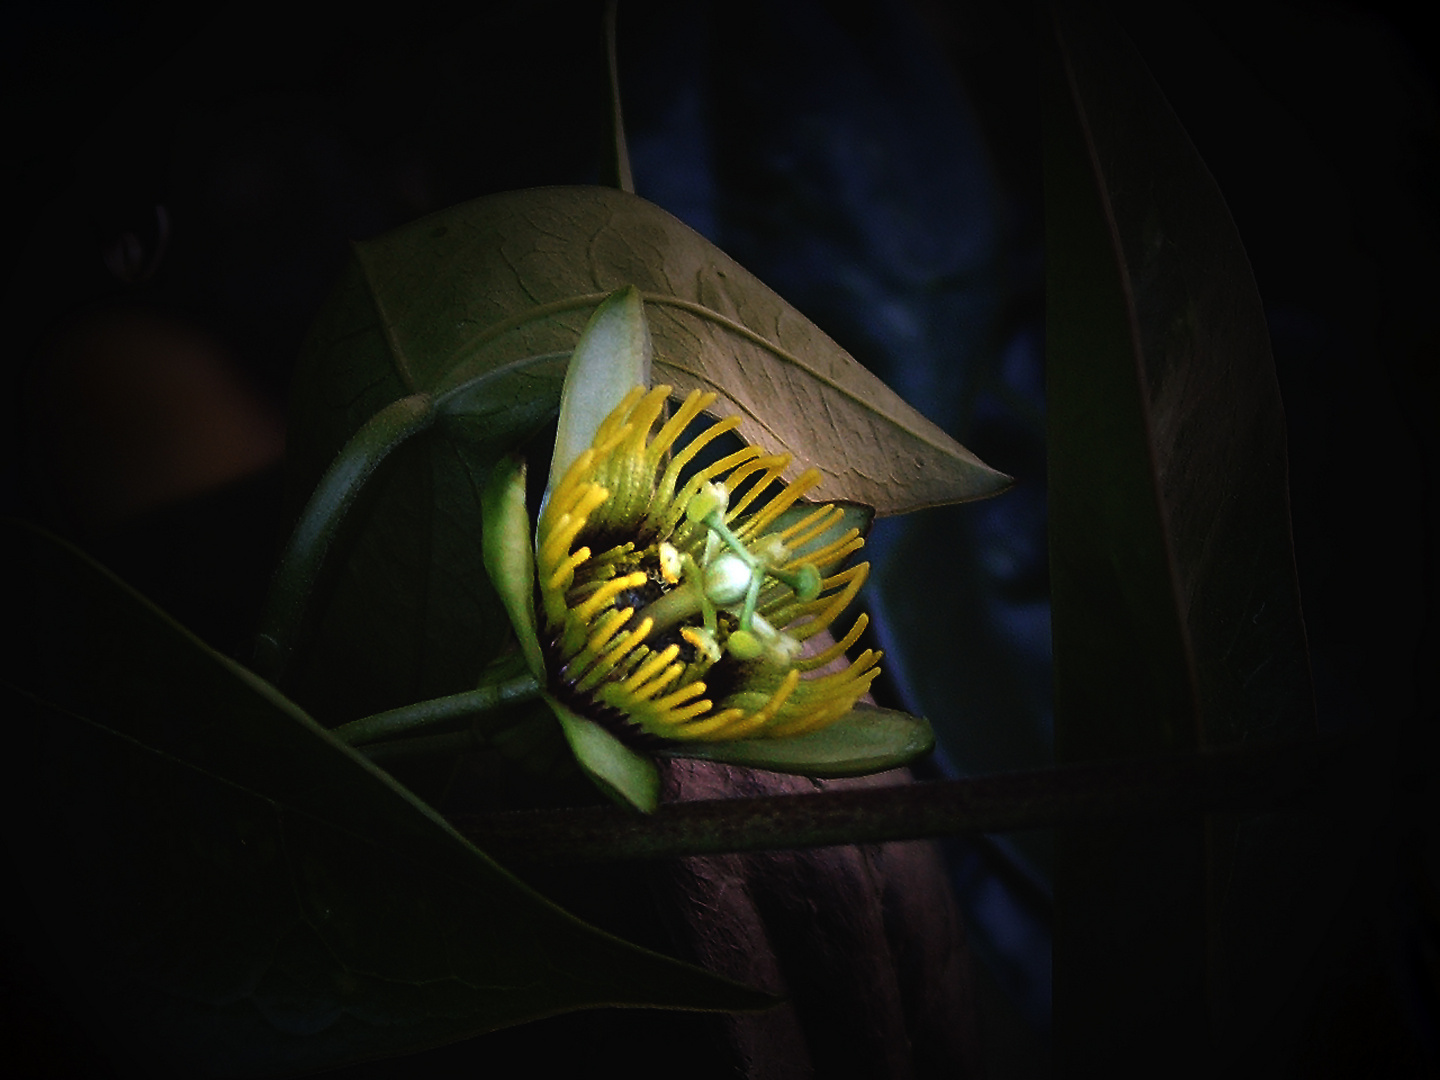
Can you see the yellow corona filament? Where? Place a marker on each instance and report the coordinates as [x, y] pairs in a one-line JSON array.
[[822, 612], [623, 487], [779, 504], [651, 666], [773, 464], [564, 531], [606, 664], [580, 653], [848, 543], [810, 526], [698, 481], [834, 652], [563, 574], [607, 592], [692, 407]]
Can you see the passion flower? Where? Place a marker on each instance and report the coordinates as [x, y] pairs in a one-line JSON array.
[[675, 611], [664, 607]]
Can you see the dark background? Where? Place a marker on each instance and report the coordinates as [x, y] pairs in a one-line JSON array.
[[876, 163]]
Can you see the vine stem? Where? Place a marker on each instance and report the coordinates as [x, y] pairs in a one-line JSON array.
[[1259, 778], [615, 155], [424, 716], [290, 589]]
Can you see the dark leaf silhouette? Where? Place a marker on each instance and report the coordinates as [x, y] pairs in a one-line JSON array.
[[1176, 612], [240, 893]]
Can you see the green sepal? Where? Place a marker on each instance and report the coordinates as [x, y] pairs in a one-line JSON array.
[[628, 777], [867, 740], [611, 358], [509, 559]]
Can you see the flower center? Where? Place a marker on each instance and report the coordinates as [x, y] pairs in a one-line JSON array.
[[693, 626]]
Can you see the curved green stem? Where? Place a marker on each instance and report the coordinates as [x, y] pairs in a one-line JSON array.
[[425, 715], [289, 595], [1289, 775], [616, 156]]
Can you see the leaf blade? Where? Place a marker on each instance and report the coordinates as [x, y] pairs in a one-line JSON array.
[[558, 251], [1176, 614], [366, 927]]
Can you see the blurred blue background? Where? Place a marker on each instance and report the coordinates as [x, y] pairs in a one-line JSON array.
[[834, 152]]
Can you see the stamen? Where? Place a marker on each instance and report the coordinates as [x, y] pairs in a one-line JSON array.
[[853, 579], [805, 581], [670, 564], [703, 641]]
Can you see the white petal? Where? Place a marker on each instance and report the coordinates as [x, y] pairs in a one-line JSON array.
[[612, 356]]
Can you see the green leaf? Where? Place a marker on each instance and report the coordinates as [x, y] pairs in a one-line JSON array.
[[866, 740], [1176, 617], [238, 892], [507, 283], [404, 585], [627, 777], [612, 357], [509, 558]]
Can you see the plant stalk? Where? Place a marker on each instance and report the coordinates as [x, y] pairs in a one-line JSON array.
[[1073, 796], [320, 521], [426, 716]]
